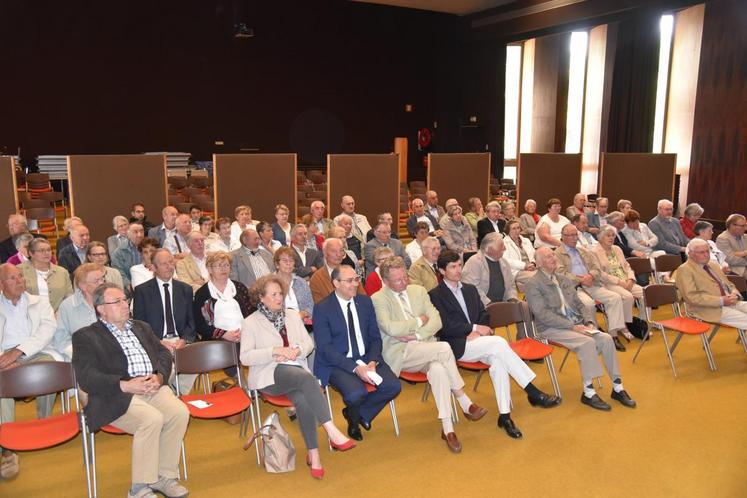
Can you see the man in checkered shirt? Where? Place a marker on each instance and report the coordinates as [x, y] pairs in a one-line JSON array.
[[123, 368]]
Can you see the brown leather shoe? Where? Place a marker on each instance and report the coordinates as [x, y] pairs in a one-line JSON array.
[[452, 442], [475, 412]]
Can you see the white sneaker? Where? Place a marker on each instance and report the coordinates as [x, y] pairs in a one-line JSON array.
[[145, 492], [170, 488]]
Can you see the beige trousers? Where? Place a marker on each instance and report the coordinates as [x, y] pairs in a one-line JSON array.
[[628, 298], [158, 423], [612, 304], [437, 360]]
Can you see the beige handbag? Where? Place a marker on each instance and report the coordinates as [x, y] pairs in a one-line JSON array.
[[277, 450]]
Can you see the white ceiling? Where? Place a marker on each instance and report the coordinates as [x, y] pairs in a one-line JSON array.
[[459, 7]]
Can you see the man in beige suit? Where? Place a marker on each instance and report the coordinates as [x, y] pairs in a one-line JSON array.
[[487, 271], [192, 269], [423, 271], [709, 295], [408, 323], [733, 243], [321, 281], [582, 267]]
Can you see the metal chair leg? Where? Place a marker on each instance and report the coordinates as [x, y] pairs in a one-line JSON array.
[[395, 422], [669, 352], [709, 354], [553, 378], [454, 410], [477, 380], [741, 338], [562, 363], [184, 460]]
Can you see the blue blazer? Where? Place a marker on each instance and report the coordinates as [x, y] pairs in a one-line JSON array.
[[147, 306], [331, 336]]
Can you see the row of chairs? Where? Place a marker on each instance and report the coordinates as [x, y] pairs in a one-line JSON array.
[[196, 181]]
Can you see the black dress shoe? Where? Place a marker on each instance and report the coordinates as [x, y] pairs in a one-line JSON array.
[[595, 402], [544, 400], [510, 428], [623, 398], [618, 345], [353, 430], [365, 424]]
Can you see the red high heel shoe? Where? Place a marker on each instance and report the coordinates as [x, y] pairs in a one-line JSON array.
[[347, 445], [315, 473]]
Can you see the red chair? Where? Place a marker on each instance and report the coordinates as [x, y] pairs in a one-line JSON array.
[[37, 379], [474, 366], [422, 378], [527, 348], [370, 389], [660, 295]]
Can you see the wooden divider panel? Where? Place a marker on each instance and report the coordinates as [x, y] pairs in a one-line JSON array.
[[460, 176], [542, 176], [372, 180]]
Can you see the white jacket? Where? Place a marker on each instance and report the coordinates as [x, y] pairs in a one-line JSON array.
[[513, 255], [42, 325]]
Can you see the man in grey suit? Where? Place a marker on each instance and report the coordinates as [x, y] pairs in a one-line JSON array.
[[487, 271], [307, 260], [167, 229], [733, 243], [561, 317], [248, 263], [383, 238], [128, 254], [672, 239]]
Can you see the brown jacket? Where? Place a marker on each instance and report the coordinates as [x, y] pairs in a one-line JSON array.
[[700, 291], [321, 285], [591, 262]]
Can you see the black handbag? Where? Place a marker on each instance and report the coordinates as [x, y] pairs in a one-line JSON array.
[[638, 327]]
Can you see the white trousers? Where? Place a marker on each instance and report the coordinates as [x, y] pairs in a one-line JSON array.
[[735, 316], [628, 298], [495, 351], [612, 304]]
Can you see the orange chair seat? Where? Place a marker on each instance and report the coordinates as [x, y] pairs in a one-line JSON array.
[[40, 433], [685, 325], [413, 376], [280, 400], [473, 365], [110, 429], [531, 349], [223, 403]]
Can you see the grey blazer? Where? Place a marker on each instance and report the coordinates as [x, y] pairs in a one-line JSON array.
[[371, 246], [477, 273], [671, 236], [241, 267], [545, 303]]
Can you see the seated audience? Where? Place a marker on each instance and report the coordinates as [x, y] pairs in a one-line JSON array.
[[176, 243], [672, 239], [243, 221], [465, 327], [249, 262], [120, 225], [638, 236], [373, 281], [492, 222], [550, 226], [223, 242], [131, 392], [383, 218], [624, 205], [562, 318], [585, 238], [350, 258], [167, 228], [27, 326], [383, 238], [360, 225], [449, 202], [348, 348], [298, 294], [74, 254], [166, 305], [221, 304], [137, 215], [44, 278], [458, 236], [582, 267], [281, 228], [22, 249], [266, 240], [489, 273], [413, 249], [475, 213], [579, 202], [144, 271], [316, 211], [709, 295], [508, 211], [617, 220], [308, 260], [529, 219], [733, 243], [690, 217], [76, 311], [128, 255], [592, 217], [424, 271], [17, 225], [420, 215], [195, 213], [704, 230], [192, 269], [519, 254], [67, 226], [352, 241], [206, 226], [321, 282], [432, 206], [274, 345], [315, 238], [409, 323], [603, 205], [96, 252]]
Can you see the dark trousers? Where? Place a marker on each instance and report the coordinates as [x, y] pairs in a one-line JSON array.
[[357, 398]]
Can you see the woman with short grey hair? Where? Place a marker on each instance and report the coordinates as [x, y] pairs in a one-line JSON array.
[[120, 224], [704, 230], [690, 217], [458, 235], [22, 248]]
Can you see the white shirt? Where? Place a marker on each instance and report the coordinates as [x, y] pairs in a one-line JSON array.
[[496, 228], [217, 244], [139, 274], [433, 211], [16, 322], [259, 267], [555, 229], [202, 266], [290, 299], [163, 303], [414, 250], [41, 282], [427, 221], [301, 254], [236, 231], [170, 243], [358, 335]]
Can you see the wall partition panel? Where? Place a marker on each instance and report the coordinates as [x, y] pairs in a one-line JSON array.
[[372, 180], [460, 176], [102, 187], [8, 193], [543, 176]]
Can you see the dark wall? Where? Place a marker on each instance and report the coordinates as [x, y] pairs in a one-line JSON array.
[[87, 77], [718, 163]]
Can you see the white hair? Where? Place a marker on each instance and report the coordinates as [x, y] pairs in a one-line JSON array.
[[117, 219], [696, 242], [663, 202]]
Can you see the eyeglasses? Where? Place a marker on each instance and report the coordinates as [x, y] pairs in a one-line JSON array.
[[97, 254], [349, 280], [221, 265], [117, 301]]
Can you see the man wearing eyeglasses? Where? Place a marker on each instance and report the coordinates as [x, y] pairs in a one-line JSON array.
[[124, 369], [348, 352], [321, 283], [27, 325], [733, 243]]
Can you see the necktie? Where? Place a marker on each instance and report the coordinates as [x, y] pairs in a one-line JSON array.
[[568, 312], [354, 351], [405, 306], [439, 277], [170, 328], [718, 282], [178, 245]]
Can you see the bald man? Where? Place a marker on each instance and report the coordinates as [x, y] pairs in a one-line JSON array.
[[419, 214], [167, 228], [672, 239], [74, 255], [579, 201], [361, 226]]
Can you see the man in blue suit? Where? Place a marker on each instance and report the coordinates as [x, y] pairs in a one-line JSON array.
[[348, 352]]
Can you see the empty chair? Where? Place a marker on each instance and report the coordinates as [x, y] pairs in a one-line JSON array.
[[35, 203], [178, 182], [175, 199], [183, 207], [641, 266], [54, 198], [201, 182], [45, 219], [666, 263]]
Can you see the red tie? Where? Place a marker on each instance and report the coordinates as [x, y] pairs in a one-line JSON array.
[[718, 282]]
